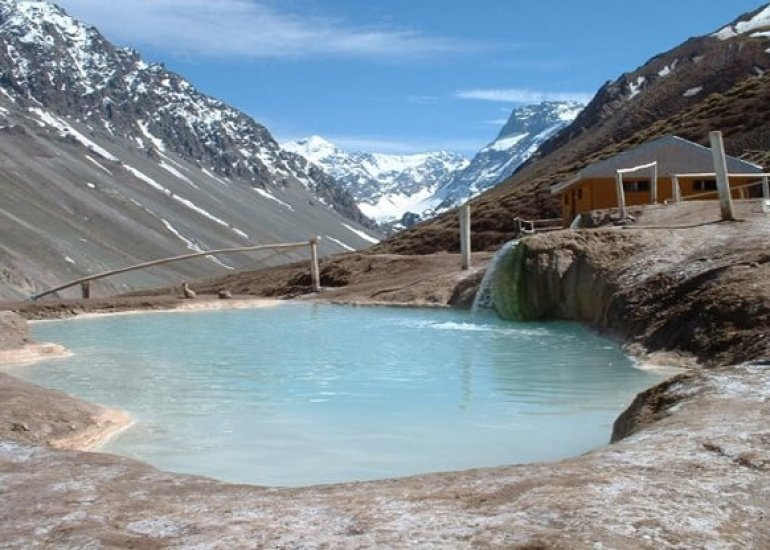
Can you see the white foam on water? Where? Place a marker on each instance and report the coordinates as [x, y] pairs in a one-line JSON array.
[[476, 327]]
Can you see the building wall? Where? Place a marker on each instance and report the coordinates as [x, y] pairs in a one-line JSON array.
[[600, 193]]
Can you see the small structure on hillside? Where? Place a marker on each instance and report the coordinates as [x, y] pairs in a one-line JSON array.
[[664, 169]]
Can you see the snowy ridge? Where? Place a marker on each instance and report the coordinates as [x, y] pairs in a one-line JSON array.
[[384, 186], [527, 128], [758, 26]]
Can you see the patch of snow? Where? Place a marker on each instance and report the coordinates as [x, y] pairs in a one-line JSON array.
[[90, 185], [188, 243], [96, 162], [191, 245], [725, 33], [6, 94], [170, 169], [203, 212], [69, 260], [760, 21], [147, 179], [157, 143], [340, 243], [636, 87], [392, 206], [569, 111], [67, 130], [214, 177], [692, 92], [188, 203], [361, 234], [274, 198], [506, 143]]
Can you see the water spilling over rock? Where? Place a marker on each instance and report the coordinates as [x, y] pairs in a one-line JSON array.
[[484, 299]]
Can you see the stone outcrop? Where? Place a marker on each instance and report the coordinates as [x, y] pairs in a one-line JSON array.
[[700, 290], [13, 331]]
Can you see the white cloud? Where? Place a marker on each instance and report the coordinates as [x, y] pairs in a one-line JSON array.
[[496, 121], [250, 28], [518, 95], [424, 99]]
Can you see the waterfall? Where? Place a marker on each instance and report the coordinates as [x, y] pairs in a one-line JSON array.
[[483, 298]]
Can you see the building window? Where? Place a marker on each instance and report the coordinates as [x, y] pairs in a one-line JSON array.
[[705, 185], [636, 186]]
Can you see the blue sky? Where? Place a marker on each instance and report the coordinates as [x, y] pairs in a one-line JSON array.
[[400, 75]]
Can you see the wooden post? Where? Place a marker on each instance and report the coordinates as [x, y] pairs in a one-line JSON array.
[[765, 187], [723, 183], [85, 289], [621, 195], [465, 235], [654, 185], [676, 188], [315, 273]]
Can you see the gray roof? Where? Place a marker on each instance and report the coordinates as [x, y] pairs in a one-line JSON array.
[[673, 154]]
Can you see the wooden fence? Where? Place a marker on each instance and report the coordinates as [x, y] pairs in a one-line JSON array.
[[85, 282]]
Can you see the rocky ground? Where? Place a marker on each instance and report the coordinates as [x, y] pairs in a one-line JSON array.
[[688, 468]]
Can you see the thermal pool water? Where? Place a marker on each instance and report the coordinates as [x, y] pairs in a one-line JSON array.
[[303, 394]]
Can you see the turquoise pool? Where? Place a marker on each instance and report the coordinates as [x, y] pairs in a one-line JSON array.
[[304, 394]]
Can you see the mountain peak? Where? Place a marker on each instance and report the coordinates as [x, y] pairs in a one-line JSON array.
[[384, 185], [527, 128], [314, 148], [527, 117]]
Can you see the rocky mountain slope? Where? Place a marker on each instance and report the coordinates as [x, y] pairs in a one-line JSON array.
[[406, 188], [106, 161], [385, 186], [715, 82], [526, 130]]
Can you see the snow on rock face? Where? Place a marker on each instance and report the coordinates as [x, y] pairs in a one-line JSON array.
[[67, 70], [527, 128], [758, 26], [385, 186]]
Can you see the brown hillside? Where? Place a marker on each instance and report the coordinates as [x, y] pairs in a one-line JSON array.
[[734, 99]]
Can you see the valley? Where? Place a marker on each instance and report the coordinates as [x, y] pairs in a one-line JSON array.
[[108, 159]]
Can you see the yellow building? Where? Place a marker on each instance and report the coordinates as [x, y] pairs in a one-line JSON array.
[[672, 159]]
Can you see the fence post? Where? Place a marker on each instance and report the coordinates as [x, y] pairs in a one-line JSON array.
[[723, 183], [654, 185], [465, 235], [621, 195], [677, 190], [85, 289], [315, 272], [765, 187]]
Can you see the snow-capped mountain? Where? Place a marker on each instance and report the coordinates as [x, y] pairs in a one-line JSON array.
[[105, 159], [385, 186], [527, 128]]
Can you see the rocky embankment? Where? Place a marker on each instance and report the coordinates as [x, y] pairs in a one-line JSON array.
[[37, 416], [690, 465], [16, 346], [702, 291]]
